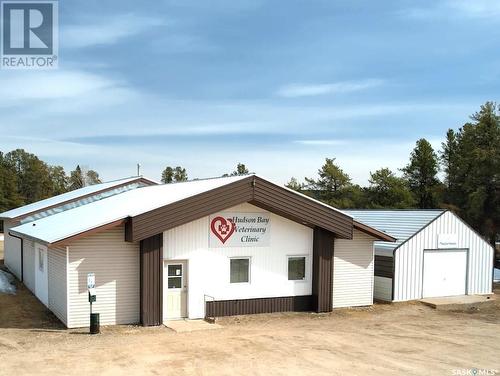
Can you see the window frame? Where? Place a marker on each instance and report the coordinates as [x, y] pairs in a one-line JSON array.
[[249, 258], [176, 276], [306, 268]]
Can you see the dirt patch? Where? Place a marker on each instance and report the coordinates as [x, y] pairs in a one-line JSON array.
[[396, 339]]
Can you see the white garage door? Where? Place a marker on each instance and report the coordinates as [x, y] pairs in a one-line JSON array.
[[445, 273]]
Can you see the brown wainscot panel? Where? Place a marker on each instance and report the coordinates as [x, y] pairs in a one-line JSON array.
[[384, 266], [221, 308]]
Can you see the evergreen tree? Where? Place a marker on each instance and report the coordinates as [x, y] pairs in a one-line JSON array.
[[167, 176], [33, 182], [295, 185], [9, 196], [76, 179], [388, 191], [80, 178], [180, 174], [241, 169], [421, 174], [177, 174], [333, 186], [476, 171]]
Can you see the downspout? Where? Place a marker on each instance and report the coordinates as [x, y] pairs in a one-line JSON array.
[[22, 254]]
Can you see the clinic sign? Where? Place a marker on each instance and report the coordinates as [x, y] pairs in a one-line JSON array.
[[239, 230], [29, 34]]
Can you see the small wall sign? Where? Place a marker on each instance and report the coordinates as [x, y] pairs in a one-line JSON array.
[[91, 281], [239, 230], [447, 241]]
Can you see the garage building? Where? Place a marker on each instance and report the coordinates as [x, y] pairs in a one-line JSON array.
[[20, 257], [213, 247], [436, 254]]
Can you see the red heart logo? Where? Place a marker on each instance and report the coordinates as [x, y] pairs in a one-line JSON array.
[[222, 228]]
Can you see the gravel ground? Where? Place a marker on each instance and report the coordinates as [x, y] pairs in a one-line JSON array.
[[398, 339]]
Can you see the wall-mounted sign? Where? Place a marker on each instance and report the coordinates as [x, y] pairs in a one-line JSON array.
[[447, 241], [240, 230], [91, 281]]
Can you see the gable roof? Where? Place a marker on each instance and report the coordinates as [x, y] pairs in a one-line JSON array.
[[75, 198], [151, 210], [400, 224]]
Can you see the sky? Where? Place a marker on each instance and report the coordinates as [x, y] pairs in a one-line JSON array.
[[277, 85]]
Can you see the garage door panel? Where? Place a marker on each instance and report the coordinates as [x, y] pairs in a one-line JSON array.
[[445, 273]]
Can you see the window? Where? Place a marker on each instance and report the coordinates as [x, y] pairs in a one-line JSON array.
[[240, 270], [40, 259], [296, 268], [174, 275]]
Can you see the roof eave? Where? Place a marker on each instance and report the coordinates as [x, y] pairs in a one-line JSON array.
[[379, 235], [138, 179]]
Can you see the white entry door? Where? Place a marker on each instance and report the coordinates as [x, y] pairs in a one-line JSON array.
[[41, 274], [445, 273], [174, 290]]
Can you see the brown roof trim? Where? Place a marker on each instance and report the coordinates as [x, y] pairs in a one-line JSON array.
[[107, 226], [253, 189], [380, 235], [139, 179]]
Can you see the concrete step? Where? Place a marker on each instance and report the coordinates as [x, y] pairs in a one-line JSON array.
[[461, 302]]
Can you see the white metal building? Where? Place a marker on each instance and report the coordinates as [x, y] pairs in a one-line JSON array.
[[20, 256], [209, 247], [436, 254]]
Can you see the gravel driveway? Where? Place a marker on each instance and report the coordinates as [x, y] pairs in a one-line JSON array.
[[408, 338]]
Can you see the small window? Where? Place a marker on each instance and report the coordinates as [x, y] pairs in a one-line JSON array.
[[240, 270], [40, 259], [296, 268], [174, 275]]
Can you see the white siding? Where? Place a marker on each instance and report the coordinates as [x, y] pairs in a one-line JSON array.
[[12, 250], [209, 267], [57, 283], [29, 264], [116, 267], [353, 271], [383, 288], [409, 257]]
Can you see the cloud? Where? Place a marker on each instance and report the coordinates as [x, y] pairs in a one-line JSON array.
[[481, 9], [476, 8], [301, 90], [107, 31], [57, 84], [321, 142]]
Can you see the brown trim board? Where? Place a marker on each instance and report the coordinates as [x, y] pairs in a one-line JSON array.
[[252, 189], [151, 280], [322, 274]]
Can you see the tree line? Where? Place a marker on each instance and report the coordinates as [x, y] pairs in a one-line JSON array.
[[469, 160], [24, 179]]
